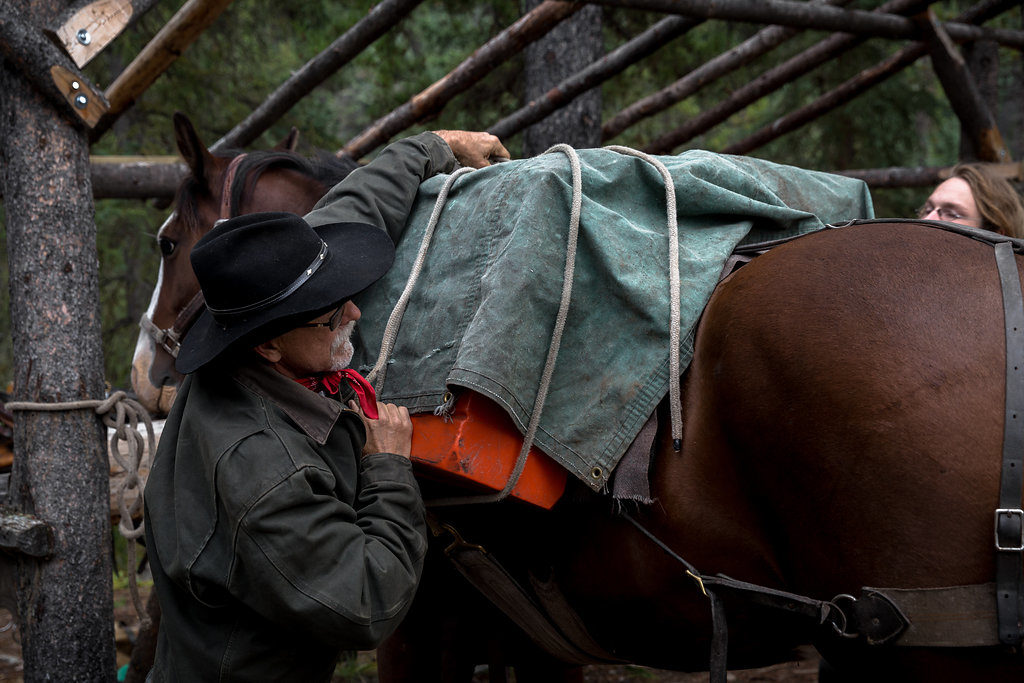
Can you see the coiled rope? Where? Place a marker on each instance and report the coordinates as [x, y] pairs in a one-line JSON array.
[[377, 374], [122, 415]]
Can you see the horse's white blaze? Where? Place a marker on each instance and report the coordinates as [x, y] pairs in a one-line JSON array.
[[153, 398]]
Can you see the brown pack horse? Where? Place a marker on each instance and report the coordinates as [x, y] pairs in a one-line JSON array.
[[843, 428]]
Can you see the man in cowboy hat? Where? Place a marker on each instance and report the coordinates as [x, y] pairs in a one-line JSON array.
[[284, 525]]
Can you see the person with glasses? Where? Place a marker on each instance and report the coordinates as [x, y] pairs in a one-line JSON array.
[[283, 522], [975, 196]]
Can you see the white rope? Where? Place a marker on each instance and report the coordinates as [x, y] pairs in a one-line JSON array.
[[394, 321], [674, 370], [556, 339], [122, 415], [377, 374]]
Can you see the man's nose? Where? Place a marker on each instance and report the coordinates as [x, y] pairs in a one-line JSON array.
[[351, 312]]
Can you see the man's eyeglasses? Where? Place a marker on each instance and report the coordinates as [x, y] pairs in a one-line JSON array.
[[333, 323], [944, 213]]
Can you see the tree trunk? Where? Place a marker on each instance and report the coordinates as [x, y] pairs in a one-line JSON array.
[[566, 50], [65, 603]]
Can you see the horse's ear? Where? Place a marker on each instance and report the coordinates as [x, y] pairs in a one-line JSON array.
[[290, 142], [193, 151]]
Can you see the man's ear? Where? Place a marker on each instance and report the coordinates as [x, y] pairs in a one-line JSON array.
[[269, 351]]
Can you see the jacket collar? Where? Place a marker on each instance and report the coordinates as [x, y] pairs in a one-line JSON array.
[[313, 413]]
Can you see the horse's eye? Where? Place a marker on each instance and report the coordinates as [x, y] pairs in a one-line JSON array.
[[167, 246]]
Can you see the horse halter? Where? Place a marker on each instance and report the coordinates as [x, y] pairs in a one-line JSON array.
[[170, 337]]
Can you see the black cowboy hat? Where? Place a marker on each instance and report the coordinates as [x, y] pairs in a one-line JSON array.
[[263, 274]]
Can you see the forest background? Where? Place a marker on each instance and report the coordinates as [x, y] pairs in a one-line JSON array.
[[256, 44]]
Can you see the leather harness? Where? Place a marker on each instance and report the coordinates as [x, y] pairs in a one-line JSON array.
[[170, 338]]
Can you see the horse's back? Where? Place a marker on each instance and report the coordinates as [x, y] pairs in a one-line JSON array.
[[853, 381]]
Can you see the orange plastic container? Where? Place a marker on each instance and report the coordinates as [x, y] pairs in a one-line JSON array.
[[479, 447]]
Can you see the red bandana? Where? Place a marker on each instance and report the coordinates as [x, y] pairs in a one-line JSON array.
[[330, 382]]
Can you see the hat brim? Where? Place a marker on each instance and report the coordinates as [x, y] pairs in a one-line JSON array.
[[358, 255]]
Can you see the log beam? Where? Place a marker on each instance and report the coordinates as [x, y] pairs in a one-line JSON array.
[[808, 16], [924, 176], [130, 177], [433, 99], [194, 17], [977, 122], [771, 80], [759, 44], [50, 71], [663, 32], [376, 23], [853, 87]]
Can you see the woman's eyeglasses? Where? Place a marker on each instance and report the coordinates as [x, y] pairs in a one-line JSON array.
[[944, 213], [333, 323]]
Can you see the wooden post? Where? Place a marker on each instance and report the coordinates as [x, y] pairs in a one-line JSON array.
[[569, 47], [50, 71], [194, 17], [376, 23], [65, 603], [431, 100]]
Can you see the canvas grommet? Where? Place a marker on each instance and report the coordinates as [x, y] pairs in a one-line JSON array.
[[597, 473]]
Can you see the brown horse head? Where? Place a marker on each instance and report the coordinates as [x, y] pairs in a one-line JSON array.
[[218, 186]]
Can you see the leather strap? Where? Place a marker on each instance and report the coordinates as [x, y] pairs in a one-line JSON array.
[[225, 190], [170, 338], [957, 616], [487, 575], [1009, 517]]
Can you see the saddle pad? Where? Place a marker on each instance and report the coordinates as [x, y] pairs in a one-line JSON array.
[[482, 314]]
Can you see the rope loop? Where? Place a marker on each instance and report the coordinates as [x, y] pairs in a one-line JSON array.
[[121, 415]]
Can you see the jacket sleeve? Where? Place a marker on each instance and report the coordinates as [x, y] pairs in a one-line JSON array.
[[346, 573], [382, 192]]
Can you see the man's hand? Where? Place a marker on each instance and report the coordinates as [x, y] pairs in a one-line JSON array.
[[474, 149], [391, 432]]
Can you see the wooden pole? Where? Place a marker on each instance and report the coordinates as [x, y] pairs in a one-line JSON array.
[[645, 44], [836, 97], [528, 28], [136, 177], [879, 24], [65, 603], [376, 23], [924, 176], [139, 177], [194, 17], [976, 120], [850, 89], [771, 80], [760, 43]]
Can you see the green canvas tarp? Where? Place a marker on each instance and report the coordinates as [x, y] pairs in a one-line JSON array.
[[482, 314]]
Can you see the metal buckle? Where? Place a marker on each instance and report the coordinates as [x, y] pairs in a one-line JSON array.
[[1010, 512]]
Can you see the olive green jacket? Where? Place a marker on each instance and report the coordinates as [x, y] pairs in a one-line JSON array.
[[274, 545]]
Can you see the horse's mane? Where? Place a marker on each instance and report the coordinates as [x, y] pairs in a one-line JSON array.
[[324, 168]]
